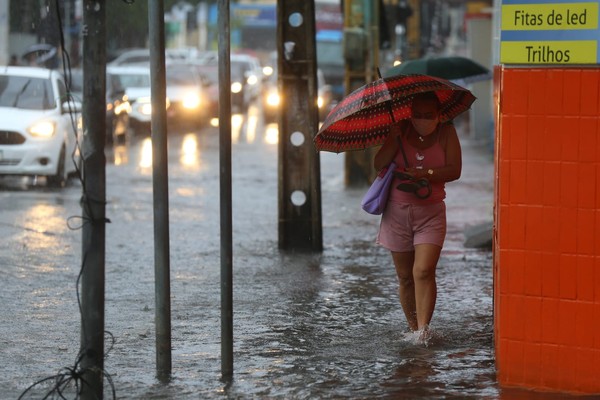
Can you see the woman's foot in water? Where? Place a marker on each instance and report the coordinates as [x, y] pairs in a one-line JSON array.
[[424, 335]]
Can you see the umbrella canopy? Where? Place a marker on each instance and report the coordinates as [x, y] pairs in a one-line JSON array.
[[451, 68], [362, 119]]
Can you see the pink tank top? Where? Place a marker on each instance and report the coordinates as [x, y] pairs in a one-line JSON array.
[[431, 157]]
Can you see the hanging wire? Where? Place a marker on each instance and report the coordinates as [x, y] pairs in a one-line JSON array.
[[69, 378]]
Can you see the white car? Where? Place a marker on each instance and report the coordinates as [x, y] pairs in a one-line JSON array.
[[135, 80], [188, 97], [142, 56], [186, 100], [37, 129]]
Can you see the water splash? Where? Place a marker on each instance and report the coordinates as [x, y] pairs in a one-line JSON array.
[[425, 336]]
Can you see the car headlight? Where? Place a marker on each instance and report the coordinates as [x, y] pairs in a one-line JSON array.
[[268, 70], [252, 80], [123, 107], [273, 99], [145, 108], [236, 87], [191, 101], [144, 105], [44, 129]]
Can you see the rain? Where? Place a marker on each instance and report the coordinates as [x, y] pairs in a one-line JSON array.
[[306, 325]]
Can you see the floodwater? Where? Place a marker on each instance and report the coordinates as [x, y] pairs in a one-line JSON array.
[[306, 326]]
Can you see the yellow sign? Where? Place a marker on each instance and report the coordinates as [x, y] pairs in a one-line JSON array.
[[558, 16], [546, 32], [549, 52]]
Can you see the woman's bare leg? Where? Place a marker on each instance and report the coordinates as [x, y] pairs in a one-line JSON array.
[[406, 286], [426, 257]]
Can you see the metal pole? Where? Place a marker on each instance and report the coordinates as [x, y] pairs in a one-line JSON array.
[[93, 201], [226, 192], [160, 190]]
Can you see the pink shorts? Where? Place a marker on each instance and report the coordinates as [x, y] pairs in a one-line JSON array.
[[405, 225]]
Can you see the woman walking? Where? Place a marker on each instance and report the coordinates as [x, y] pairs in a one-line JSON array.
[[413, 224]]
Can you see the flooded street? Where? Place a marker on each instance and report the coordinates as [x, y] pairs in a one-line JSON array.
[[324, 325]]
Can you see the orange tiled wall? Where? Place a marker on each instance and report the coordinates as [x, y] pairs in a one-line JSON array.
[[547, 229]]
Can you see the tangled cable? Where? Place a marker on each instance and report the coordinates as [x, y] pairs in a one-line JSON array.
[[71, 378]]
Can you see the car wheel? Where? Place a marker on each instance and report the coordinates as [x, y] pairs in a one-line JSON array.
[[59, 180]]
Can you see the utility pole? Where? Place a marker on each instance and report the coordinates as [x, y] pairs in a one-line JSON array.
[[361, 53], [93, 200], [160, 189], [300, 226]]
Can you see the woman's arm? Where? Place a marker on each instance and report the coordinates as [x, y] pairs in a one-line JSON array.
[[388, 151], [453, 167]]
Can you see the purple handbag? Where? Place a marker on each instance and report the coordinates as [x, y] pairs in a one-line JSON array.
[[375, 200]]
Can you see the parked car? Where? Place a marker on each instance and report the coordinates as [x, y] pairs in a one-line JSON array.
[[117, 105], [135, 81], [37, 130]]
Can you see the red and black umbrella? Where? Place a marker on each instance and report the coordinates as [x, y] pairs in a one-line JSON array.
[[362, 119]]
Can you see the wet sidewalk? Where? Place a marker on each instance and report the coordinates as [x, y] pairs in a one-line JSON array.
[[306, 326]]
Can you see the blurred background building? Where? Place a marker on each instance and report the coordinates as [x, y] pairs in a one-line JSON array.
[[408, 29]]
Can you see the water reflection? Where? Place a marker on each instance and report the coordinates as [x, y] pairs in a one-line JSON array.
[[272, 134], [43, 218], [237, 123], [42, 222], [190, 154], [251, 127], [120, 155], [244, 127], [146, 154]]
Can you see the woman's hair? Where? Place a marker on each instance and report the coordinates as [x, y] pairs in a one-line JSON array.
[[428, 96]]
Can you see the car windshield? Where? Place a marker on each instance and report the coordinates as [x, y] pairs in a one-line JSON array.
[[238, 70], [134, 80], [181, 77], [209, 73], [26, 93]]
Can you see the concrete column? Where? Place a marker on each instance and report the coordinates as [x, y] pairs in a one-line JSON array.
[[547, 229], [479, 36]]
